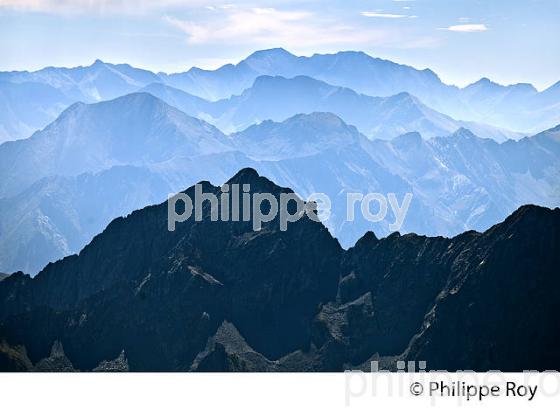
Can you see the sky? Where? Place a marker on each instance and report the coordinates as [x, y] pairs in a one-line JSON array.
[[508, 41]]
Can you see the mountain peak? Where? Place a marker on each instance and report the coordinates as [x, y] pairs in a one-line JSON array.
[[327, 118], [353, 53], [270, 52], [298, 136], [484, 82], [134, 129], [245, 175], [252, 178], [265, 61], [130, 101], [368, 240], [463, 133], [526, 220], [403, 97], [136, 99], [520, 89]]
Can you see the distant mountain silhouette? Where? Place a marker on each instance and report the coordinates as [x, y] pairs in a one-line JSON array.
[[99, 81], [356, 70], [136, 129], [519, 107], [26, 107], [278, 98], [218, 296], [302, 135], [30, 100], [57, 216]]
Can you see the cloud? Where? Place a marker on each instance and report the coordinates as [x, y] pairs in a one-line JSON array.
[[467, 28], [272, 27], [69, 7], [385, 15]]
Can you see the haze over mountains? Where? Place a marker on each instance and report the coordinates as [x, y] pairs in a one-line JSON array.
[[92, 154], [96, 162], [335, 124], [219, 296], [32, 99], [278, 98]]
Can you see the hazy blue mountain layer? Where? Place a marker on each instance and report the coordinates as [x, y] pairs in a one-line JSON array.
[[26, 107], [518, 107], [64, 184], [278, 98], [137, 129]]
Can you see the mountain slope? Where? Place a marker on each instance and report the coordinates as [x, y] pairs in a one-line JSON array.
[[286, 296], [278, 98], [354, 70], [470, 300], [220, 296], [517, 107], [57, 216], [137, 129], [31, 100], [302, 135], [189, 104], [474, 181], [99, 81], [457, 183], [26, 107]]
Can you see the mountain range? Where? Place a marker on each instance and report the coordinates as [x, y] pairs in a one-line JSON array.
[[33, 99], [99, 161], [519, 107], [219, 296], [278, 98]]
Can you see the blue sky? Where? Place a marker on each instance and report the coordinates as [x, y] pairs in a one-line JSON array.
[[508, 41]]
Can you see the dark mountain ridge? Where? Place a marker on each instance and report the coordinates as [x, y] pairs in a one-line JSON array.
[[221, 296]]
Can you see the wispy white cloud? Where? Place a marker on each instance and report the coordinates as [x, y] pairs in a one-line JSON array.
[[270, 26], [98, 6], [467, 28], [385, 15]]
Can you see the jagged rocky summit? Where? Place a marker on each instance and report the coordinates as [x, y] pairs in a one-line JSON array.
[[219, 296]]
